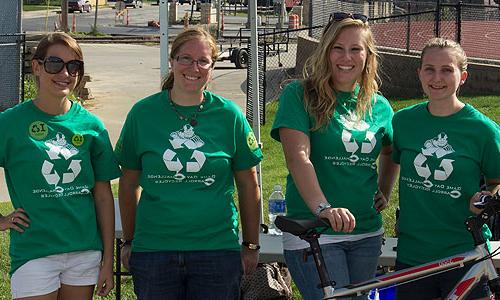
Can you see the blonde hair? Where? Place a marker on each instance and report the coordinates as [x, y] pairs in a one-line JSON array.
[[441, 43], [319, 91], [59, 38], [184, 37]]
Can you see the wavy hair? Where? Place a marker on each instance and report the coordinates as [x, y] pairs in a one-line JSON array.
[[319, 91], [184, 37], [59, 38]]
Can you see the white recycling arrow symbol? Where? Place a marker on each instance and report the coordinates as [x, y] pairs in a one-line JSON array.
[[422, 171], [447, 166], [75, 168], [51, 178], [170, 163], [351, 147], [196, 166], [368, 147]]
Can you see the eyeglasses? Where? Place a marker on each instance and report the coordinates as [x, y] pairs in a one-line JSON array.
[[54, 65], [187, 60], [339, 16]]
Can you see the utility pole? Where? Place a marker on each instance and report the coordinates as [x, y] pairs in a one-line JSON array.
[[95, 17], [64, 15]]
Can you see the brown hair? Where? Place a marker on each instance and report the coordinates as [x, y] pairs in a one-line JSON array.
[[59, 38], [319, 92], [186, 36], [441, 43]]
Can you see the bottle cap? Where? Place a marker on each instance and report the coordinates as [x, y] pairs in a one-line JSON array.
[[277, 187]]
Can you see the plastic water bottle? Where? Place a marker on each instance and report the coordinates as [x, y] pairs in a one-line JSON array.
[[277, 207]]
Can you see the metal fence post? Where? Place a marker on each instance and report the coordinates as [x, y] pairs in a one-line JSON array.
[[438, 18], [408, 27], [459, 21]]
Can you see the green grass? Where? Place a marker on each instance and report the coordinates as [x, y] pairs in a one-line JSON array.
[[31, 7], [273, 172]]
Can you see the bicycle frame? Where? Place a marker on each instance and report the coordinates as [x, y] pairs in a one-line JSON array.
[[480, 257], [460, 291]]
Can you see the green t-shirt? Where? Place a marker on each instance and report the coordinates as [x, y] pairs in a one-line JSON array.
[[343, 153], [51, 164], [187, 172], [441, 162]]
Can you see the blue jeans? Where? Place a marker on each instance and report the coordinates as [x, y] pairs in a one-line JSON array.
[[347, 262], [189, 275]]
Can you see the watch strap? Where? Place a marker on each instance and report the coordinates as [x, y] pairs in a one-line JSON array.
[[250, 246]]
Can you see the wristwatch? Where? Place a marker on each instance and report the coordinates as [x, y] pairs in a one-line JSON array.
[[250, 245], [321, 207]]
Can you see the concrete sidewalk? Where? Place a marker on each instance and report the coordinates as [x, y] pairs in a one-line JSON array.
[[124, 73]]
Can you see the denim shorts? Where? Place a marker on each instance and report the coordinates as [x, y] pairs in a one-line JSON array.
[[186, 275], [437, 286], [347, 262]]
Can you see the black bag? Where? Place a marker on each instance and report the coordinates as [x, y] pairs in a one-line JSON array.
[[270, 281]]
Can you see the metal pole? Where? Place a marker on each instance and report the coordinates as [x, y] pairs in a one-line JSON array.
[[459, 22], [254, 53], [163, 40], [438, 17], [95, 17], [219, 12], [408, 28], [64, 15]]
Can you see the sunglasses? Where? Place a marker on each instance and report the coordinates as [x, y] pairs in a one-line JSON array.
[[187, 60], [54, 65], [339, 16]]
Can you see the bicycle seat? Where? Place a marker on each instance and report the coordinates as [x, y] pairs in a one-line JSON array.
[[299, 227]]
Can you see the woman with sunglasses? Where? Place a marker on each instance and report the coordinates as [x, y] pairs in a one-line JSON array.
[[58, 162], [333, 126], [185, 147]]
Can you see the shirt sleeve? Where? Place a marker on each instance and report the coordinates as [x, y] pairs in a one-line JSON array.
[[103, 160], [247, 152], [291, 111], [387, 138], [126, 146], [490, 163]]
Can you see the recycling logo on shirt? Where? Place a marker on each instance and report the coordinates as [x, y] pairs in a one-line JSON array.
[[438, 147], [59, 148], [185, 138], [351, 123]]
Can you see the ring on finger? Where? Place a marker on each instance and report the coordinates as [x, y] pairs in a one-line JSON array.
[[12, 219]]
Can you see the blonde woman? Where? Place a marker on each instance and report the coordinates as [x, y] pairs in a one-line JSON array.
[[58, 162], [333, 126]]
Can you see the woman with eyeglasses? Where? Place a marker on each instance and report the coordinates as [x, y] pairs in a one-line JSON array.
[[333, 126], [185, 147], [58, 162]]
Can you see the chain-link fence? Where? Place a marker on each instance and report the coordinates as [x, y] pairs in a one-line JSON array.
[[11, 53], [407, 25]]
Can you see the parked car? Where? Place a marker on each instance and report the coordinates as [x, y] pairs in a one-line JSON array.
[[79, 5], [133, 3]]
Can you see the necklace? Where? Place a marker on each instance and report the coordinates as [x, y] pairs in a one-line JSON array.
[[190, 119]]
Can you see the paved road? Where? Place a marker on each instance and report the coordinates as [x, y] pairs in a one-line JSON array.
[[122, 74]]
